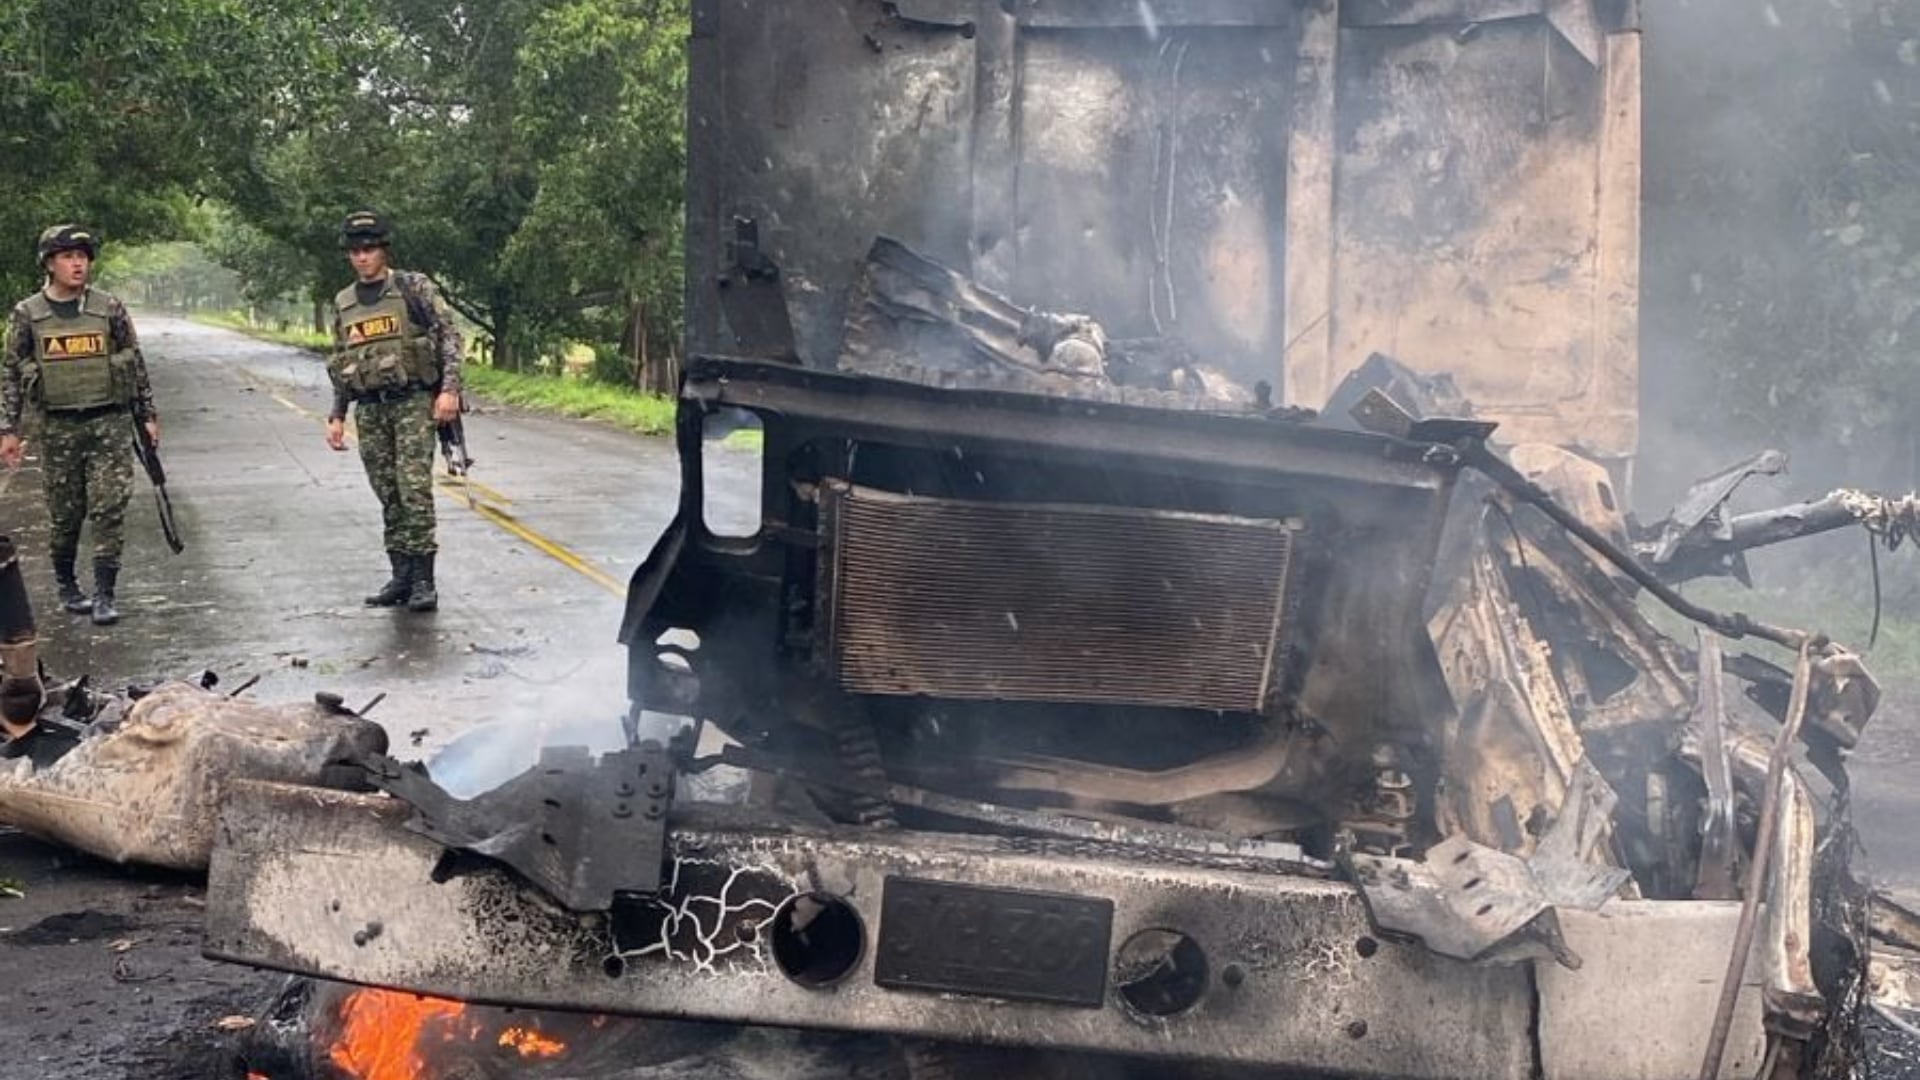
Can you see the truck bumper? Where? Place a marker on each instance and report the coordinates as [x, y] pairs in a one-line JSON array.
[[330, 884]]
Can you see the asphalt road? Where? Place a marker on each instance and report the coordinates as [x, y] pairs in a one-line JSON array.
[[282, 540]]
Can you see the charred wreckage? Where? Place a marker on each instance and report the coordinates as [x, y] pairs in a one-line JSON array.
[[1130, 720], [1105, 688]]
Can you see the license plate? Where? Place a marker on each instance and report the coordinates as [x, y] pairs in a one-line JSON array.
[[1004, 943]]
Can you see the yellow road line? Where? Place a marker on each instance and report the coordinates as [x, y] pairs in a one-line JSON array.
[[297, 407], [553, 549], [485, 491]]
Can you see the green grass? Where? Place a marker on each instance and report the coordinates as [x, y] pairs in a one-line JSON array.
[[1894, 659], [648, 414], [233, 320]]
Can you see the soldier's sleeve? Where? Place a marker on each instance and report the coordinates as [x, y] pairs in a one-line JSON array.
[[19, 347], [120, 326], [441, 330], [341, 399]]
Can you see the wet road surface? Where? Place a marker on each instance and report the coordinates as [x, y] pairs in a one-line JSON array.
[[283, 539], [100, 974]]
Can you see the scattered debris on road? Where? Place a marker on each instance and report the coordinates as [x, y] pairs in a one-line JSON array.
[[143, 777]]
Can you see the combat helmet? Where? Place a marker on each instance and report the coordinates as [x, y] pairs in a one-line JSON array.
[[363, 227], [67, 237]]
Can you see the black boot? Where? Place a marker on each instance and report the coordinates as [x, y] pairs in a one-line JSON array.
[[71, 598], [398, 587], [104, 576], [423, 596]]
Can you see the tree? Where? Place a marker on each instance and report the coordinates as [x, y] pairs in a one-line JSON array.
[[600, 248], [530, 152], [1782, 245], [121, 113]]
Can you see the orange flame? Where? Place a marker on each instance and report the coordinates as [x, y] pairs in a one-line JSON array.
[[380, 1033], [531, 1043], [389, 1035]]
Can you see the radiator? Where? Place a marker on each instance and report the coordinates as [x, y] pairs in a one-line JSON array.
[[1052, 602]]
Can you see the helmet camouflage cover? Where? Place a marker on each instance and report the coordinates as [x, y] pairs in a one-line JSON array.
[[67, 237], [365, 227]]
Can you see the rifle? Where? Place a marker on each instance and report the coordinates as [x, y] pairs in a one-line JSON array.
[[149, 455], [453, 447]]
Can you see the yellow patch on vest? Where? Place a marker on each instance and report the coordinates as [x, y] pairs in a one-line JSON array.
[[373, 329], [76, 346]]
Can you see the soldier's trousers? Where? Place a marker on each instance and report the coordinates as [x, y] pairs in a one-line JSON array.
[[397, 443], [87, 462]]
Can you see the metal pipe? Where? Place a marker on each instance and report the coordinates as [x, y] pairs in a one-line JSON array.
[[21, 693], [1758, 866], [16, 612], [1764, 527], [1733, 624]]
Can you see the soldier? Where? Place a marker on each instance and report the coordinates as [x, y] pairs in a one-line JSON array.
[[71, 355], [396, 360]]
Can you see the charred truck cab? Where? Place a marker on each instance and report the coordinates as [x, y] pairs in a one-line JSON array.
[[1125, 658]]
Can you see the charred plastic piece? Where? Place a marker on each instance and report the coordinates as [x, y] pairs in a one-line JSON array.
[[1470, 901], [914, 318], [144, 781], [581, 829]]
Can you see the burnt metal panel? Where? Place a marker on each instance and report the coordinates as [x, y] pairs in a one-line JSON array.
[[299, 872], [1287, 187], [1081, 157], [1435, 12], [1025, 602], [1466, 211], [1100, 14]]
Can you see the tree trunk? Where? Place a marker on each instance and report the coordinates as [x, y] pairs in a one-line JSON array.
[[505, 356], [663, 376], [633, 340], [320, 318]]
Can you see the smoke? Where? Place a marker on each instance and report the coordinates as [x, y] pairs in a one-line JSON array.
[[1779, 242]]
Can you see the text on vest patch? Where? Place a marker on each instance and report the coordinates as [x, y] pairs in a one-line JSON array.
[[373, 329], [76, 346]]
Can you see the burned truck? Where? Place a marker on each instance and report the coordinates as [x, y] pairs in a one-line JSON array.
[[1192, 615]]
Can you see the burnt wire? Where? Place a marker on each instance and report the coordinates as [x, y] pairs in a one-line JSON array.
[[1873, 559], [1728, 624], [1520, 551]]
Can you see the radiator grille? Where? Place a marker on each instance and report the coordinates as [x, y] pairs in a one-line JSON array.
[[1026, 602]]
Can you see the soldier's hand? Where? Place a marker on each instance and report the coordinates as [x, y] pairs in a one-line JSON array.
[[337, 434], [446, 408], [11, 451], [153, 432]]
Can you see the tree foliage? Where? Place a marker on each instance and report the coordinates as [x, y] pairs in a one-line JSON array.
[[1782, 244], [121, 113], [529, 151]]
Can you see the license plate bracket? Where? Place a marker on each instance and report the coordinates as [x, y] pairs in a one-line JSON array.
[[989, 941]]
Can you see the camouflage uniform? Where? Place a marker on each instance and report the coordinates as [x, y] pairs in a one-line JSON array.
[[88, 465], [86, 459], [397, 443], [397, 433]]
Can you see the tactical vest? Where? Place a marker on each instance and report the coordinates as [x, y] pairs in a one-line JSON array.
[[75, 366], [381, 347]]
